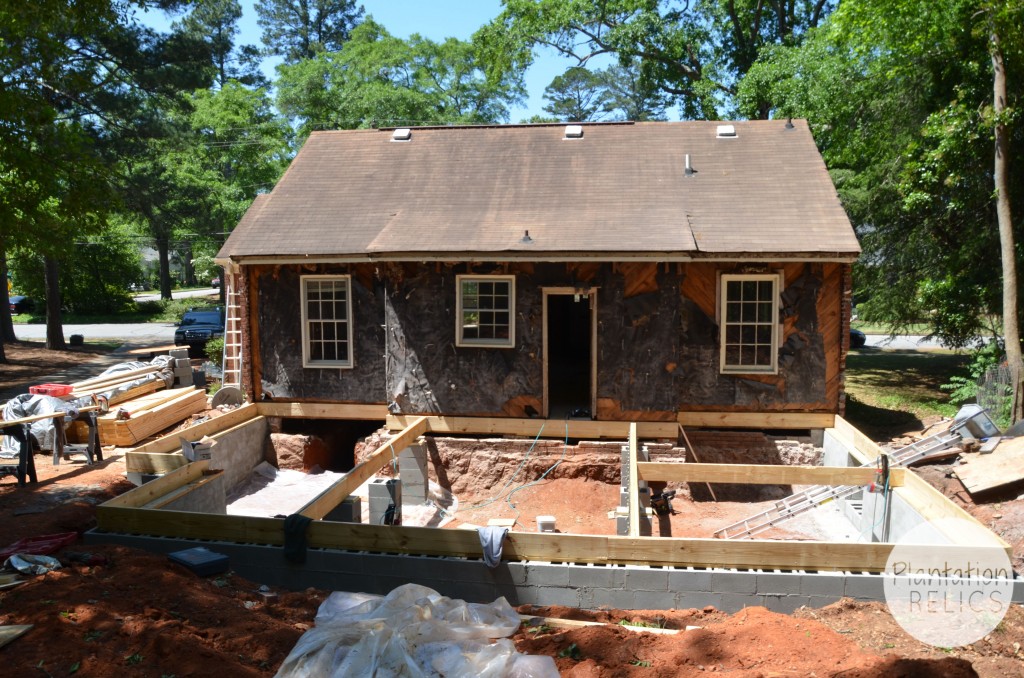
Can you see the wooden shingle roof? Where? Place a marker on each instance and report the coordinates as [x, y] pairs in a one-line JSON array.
[[620, 191]]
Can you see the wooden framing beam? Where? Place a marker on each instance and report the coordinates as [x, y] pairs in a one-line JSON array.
[[764, 420], [551, 428], [154, 489], [336, 493], [174, 495], [764, 474], [862, 448], [634, 485], [323, 411], [170, 443]]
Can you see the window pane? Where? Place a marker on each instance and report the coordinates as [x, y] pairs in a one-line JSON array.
[[732, 355], [747, 355], [764, 334], [732, 290], [732, 312], [749, 329], [749, 290], [748, 334], [486, 311], [764, 355], [327, 310], [764, 312], [764, 290]]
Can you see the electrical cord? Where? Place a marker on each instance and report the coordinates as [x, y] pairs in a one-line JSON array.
[[496, 497]]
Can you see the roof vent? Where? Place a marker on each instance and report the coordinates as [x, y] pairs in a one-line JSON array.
[[574, 131], [726, 131], [401, 134]]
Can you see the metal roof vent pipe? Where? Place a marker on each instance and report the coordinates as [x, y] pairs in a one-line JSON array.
[[689, 166]]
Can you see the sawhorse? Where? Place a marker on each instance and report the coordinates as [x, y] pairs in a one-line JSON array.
[[26, 466]]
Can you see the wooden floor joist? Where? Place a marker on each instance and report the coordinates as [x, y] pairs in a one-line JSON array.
[[351, 411], [548, 428], [764, 474], [757, 420]]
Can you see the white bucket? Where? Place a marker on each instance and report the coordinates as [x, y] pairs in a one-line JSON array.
[[545, 523]]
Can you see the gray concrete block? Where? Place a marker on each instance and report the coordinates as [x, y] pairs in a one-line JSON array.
[[622, 525], [614, 598], [653, 600], [734, 602], [1018, 590], [724, 581], [823, 584], [785, 604], [865, 586], [518, 573], [685, 600], [778, 583], [689, 579], [592, 577], [547, 574], [647, 579], [822, 601]]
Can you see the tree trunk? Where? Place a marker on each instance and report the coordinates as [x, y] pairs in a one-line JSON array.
[[1011, 330], [54, 324], [190, 271], [6, 323], [162, 248]]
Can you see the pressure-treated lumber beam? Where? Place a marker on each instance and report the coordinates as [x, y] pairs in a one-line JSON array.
[[159, 487], [161, 462], [518, 546], [179, 493], [551, 428], [336, 493], [128, 375], [862, 448], [783, 420], [170, 443], [932, 505], [634, 485], [763, 474], [323, 411]]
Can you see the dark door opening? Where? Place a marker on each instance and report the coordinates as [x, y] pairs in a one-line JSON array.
[[569, 356]]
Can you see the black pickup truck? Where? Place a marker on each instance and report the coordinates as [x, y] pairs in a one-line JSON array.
[[199, 326]]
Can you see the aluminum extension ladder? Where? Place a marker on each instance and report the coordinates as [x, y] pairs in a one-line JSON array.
[[797, 503]]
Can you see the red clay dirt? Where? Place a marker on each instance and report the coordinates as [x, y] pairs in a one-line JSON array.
[[131, 613]]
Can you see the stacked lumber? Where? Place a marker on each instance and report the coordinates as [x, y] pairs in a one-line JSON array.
[[140, 418], [111, 381]]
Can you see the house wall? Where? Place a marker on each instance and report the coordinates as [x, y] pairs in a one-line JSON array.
[[657, 340]]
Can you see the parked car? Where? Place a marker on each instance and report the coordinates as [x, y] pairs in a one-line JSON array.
[[857, 339], [215, 282], [198, 326], [21, 304]]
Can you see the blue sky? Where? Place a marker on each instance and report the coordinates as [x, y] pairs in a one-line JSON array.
[[437, 20]]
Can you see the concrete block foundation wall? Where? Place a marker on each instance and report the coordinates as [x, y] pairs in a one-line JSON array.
[[538, 583]]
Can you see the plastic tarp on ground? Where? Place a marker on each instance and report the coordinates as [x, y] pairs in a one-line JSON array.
[[412, 632], [30, 405]]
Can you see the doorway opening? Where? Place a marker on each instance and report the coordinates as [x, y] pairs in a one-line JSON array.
[[570, 335]]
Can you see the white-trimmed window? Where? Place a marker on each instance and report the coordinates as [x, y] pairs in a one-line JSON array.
[[749, 321], [486, 310], [326, 321]]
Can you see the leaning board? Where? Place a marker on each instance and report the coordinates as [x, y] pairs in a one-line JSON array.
[[981, 472]]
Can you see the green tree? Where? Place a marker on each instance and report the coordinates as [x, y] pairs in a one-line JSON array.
[[302, 29], [694, 52], [578, 95], [378, 79], [900, 97], [214, 23]]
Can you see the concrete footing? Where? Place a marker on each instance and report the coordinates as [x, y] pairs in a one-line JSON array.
[[539, 583]]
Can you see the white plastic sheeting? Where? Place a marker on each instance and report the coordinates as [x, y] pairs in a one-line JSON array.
[[412, 632]]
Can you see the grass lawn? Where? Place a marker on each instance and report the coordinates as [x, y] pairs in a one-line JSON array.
[[891, 392]]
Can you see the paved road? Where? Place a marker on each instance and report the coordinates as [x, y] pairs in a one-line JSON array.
[[907, 342], [130, 332], [176, 294]]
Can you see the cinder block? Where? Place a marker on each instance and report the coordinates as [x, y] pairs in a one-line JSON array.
[[621, 599], [778, 583], [384, 493], [622, 525], [785, 604], [823, 584], [733, 582], [734, 602], [177, 353], [822, 601], [685, 600], [689, 579], [865, 586], [547, 574], [647, 579], [518, 573], [412, 468], [1018, 590], [588, 576], [653, 600], [182, 362]]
